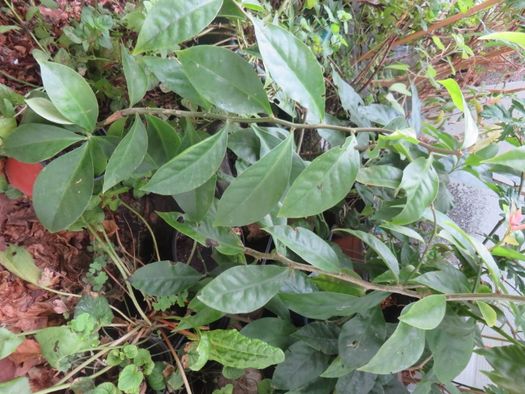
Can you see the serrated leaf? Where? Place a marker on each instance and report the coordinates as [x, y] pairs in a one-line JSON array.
[[404, 348], [170, 22], [45, 108], [127, 156], [324, 183], [224, 79], [19, 262], [8, 342], [163, 278], [243, 289], [293, 66], [232, 349], [425, 314], [421, 184], [380, 175], [34, 142], [130, 378], [191, 168], [136, 79], [255, 192], [308, 245], [377, 246], [63, 189], [70, 93]]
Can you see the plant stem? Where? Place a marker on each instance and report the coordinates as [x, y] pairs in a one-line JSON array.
[[177, 360], [267, 119]]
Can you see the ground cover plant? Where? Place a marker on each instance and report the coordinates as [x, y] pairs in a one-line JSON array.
[[289, 228]]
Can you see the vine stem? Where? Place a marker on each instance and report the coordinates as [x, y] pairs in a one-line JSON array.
[[403, 290], [267, 119]]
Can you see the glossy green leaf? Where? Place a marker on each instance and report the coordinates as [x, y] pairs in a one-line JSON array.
[[203, 315], [18, 385], [360, 339], [127, 156], [197, 202], [350, 100], [225, 79], [70, 93], [243, 289], [293, 66], [336, 369], [447, 280], [514, 37], [170, 73], [136, 79], [451, 345], [169, 22], [380, 175], [489, 314], [421, 184], [308, 245], [45, 108], [130, 378], [63, 189], [191, 168], [302, 366], [377, 246], [164, 278], [404, 348], [163, 140], [34, 142], [256, 192], [232, 349], [407, 231], [513, 158], [199, 353], [322, 336], [324, 305], [8, 342], [507, 252], [324, 183], [425, 314], [205, 233], [19, 262], [454, 91], [272, 330]]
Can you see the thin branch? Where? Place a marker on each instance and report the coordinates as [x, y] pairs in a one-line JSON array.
[[267, 119], [177, 360]]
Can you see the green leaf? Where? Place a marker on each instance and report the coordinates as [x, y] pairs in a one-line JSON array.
[[451, 345], [404, 348], [302, 80], [222, 238], [170, 73], [514, 37], [421, 184], [136, 79], [272, 330], [243, 289], [130, 378], [19, 262], [63, 189], [228, 389], [407, 231], [302, 366], [514, 158], [448, 280], [163, 140], [336, 369], [377, 246], [163, 278], [322, 336], [508, 253], [45, 108], [197, 202], [34, 142], [70, 93], [97, 307], [324, 183], [454, 91], [425, 314], [380, 175], [356, 382], [105, 388], [170, 22], [508, 367], [8, 342], [232, 349], [191, 168], [360, 339], [256, 192], [199, 353], [127, 156], [324, 305], [225, 79], [308, 245], [350, 100], [489, 314], [16, 386]]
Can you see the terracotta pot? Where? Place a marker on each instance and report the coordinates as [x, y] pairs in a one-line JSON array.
[[352, 247]]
